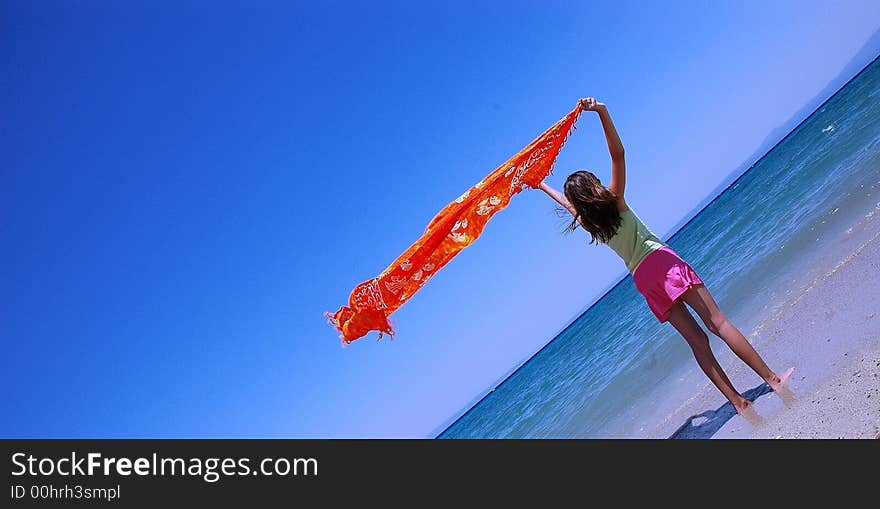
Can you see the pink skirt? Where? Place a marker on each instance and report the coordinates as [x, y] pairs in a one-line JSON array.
[[662, 277]]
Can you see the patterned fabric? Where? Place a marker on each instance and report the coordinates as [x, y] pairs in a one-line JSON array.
[[451, 230]]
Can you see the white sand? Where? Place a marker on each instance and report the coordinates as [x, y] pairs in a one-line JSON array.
[[831, 333], [827, 326], [846, 405]]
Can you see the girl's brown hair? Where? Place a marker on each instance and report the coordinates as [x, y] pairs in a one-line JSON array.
[[595, 205]]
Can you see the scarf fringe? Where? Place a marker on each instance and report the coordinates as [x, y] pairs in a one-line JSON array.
[[351, 323]]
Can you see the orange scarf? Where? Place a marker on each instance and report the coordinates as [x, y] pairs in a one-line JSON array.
[[451, 230]]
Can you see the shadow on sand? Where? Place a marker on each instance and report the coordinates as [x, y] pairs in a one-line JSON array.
[[711, 421]]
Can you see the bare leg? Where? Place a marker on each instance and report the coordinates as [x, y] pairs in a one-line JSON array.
[[690, 330], [702, 302]]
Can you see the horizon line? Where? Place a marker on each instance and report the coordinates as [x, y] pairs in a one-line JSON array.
[[698, 209]]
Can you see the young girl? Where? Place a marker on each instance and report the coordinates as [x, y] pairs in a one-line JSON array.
[[665, 280]]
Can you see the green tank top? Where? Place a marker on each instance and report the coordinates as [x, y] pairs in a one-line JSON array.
[[633, 240]]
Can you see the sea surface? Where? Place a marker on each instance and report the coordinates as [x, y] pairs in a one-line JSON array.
[[757, 244]]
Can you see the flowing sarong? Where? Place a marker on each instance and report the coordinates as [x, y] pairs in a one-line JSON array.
[[451, 230]]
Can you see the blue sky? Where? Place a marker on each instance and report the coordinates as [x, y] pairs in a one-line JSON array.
[[188, 188]]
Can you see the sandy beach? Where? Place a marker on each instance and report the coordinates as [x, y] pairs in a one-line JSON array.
[[846, 405], [829, 330], [831, 333], [790, 251]]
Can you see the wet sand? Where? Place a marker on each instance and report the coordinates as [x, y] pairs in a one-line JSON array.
[[847, 405], [827, 327], [830, 331]]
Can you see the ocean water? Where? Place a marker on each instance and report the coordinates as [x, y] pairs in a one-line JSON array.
[[753, 245]]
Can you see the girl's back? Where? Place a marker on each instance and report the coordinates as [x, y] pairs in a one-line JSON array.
[[633, 240]]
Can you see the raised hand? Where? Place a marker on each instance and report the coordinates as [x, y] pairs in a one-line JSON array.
[[590, 104]]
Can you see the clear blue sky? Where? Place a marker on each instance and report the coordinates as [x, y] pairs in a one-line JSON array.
[[187, 190]]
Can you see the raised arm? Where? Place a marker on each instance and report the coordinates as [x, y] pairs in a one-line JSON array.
[[561, 199], [615, 146]]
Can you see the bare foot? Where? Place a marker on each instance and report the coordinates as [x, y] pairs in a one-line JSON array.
[[747, 410], [777, 382], [779, 385]]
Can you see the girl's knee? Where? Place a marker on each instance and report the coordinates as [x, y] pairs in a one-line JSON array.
[[716, 323]]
